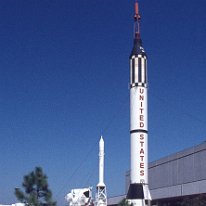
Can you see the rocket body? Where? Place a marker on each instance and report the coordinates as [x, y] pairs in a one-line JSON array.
[[138, 193], [138, 119], [101, 194], [101, 163]]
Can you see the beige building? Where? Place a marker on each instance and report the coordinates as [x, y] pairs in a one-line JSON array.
[[175, 178]]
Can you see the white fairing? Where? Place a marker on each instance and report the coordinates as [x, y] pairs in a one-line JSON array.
[[147, 192]]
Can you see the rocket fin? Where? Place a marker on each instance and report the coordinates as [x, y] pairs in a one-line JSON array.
[[135, 191], [147, 194]]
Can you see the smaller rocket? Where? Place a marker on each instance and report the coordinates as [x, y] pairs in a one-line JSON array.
[[101, 163], [101, 195]]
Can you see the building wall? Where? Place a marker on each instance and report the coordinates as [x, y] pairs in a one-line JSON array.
[[115, 200], [180, 174], [177, 175]]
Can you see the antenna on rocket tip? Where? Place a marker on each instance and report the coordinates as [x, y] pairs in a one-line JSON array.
[[136, 20]]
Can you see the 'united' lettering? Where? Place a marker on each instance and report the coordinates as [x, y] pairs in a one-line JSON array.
[[141, 124], [141, 90]]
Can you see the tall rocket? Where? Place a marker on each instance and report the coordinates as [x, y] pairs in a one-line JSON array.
[[101, 195], [138, 193]]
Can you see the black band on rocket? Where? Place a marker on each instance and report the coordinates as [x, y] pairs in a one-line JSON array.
[[138, 84], [139, 130]]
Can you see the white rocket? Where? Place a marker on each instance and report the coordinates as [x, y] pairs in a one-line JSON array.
[[138, 193], [101, 195]]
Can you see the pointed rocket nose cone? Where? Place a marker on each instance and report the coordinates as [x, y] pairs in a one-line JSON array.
[[101, 139], [137, 47]]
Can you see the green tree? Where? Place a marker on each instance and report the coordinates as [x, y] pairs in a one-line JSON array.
[[124, 202], [36, 189]]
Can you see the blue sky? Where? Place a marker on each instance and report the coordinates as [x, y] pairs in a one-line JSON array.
[[64, 73]]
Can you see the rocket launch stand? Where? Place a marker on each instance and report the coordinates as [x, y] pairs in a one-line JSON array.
[[101, 196]]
